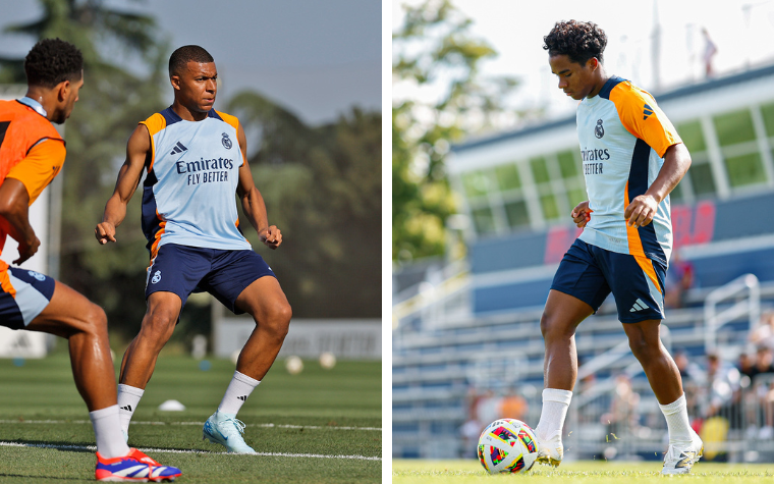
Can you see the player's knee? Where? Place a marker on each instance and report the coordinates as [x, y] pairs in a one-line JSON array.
[[551, 327], [159, 324], [641, 348], [545, 324], [279, 320], [97, 319]]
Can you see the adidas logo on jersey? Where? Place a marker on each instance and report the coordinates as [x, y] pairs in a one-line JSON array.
[[638, 306], [647, 111], [179, 148]]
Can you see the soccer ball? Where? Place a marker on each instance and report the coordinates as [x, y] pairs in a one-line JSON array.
[[507, 445], [294, 365], [327, 360]]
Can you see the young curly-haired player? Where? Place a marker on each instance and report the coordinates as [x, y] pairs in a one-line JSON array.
[[632, 159], [31, 155]]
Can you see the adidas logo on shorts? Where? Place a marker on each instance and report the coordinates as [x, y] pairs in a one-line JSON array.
[[638, 306]]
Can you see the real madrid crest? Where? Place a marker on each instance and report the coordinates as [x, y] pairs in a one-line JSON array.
[[599, 131], [226, 141]]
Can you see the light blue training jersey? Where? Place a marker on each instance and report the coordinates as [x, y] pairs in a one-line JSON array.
[[623, 138], [188, 195]]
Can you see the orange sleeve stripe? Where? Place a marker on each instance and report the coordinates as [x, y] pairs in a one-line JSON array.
[[40, 166], [232, 120], [5, 283], [155, 124], [635, 247], [642, 117]]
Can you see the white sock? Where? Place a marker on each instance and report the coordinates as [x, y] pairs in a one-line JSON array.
[[238, 390], [676, 414], [107, 430], [555, 405], [128, 399]]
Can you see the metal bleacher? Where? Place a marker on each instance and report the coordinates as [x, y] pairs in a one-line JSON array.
[[438, 360]]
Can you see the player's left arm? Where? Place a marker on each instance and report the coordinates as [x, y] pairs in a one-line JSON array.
[[252, 200], [22, 186], [642, 208], [642, 117]]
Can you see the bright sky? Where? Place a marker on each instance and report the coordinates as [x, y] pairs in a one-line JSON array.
[[741, 29]]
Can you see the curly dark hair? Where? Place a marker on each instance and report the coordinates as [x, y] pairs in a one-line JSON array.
[[52, 61], [580, 41], [184, 55]]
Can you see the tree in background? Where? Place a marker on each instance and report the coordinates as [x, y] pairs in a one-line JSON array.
[[322, 185], [111, 103], [435, 52], [323, 189]]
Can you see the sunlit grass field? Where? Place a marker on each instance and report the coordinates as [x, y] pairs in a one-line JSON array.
[[318, 426], [583, 472]]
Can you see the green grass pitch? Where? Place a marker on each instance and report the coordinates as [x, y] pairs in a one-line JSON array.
[[583, 472], [318, 426]]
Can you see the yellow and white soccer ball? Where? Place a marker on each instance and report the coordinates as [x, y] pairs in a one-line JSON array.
[[507, 445]]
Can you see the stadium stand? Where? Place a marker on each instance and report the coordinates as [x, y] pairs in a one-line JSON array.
[[471, 334]]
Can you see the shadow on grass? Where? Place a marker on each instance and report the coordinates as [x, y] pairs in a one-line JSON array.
[[62, 446], [47, 478]]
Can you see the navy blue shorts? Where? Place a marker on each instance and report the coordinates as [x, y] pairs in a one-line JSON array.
[[590, 273], [223, 273], [23, 295]]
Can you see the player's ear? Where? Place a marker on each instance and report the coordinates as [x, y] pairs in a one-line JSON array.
[[63, 90], [175, 81]]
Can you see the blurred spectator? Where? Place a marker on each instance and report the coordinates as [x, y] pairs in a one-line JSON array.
[[485, 408], [763, 335], [689, 372], [762, 372], [623, 417], [691, 375], [722, 408], [746, 364], [471, 430], [679, 278], [513, 405], [721, 384], [710, 49], [763, 361], [767, 403]]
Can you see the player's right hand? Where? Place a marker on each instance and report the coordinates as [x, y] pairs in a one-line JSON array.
[[105, 232], [581, 214], [27, 250]]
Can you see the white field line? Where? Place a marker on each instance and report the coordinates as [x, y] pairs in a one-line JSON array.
[[177, 451], [269, 425]]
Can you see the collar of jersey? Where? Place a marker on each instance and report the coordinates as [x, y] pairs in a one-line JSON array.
[[172, 117], [28, 101], [604, 93]]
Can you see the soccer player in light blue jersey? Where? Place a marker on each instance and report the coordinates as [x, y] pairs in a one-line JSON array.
[[196, 159], [632, 159]]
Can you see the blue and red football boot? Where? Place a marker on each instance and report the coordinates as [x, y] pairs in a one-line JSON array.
[[134, 466]]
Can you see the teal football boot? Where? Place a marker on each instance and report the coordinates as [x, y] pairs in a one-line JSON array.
[[226, 430]]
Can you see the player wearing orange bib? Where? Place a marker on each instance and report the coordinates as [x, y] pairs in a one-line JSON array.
[[31, 155], [632, 159]]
